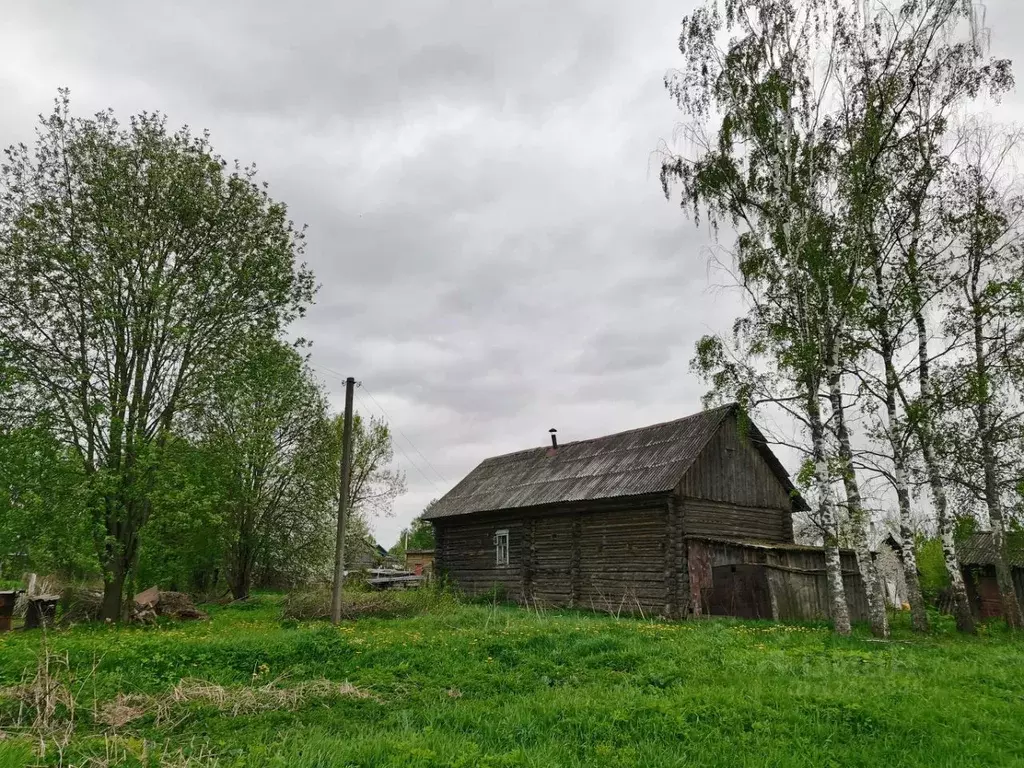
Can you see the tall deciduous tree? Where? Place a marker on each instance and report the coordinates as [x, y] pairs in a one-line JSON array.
[[818, 104], [266, 429], [375, 482], [133, 260], [768, 170], [985, 214]]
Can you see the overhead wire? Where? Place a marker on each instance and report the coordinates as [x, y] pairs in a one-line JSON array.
[[391, 423], [400, 432], [407, 456]]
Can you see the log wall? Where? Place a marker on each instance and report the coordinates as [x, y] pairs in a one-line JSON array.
[[713, 518], [465, 554], [622, 561], [611, 556], [730, 469]]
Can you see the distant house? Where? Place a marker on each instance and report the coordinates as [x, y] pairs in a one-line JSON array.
[[365, 554], [977, 555], [688, 517], [889, 564]]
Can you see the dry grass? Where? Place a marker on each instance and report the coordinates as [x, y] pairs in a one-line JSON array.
[[117, 753], [46, 703], [232, 701]]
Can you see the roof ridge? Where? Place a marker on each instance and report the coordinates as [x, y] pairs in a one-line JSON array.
[[526, 451]]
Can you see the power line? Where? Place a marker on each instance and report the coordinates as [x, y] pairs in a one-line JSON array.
[[410, 442], [408, 457], [392, 423], [328, 371]]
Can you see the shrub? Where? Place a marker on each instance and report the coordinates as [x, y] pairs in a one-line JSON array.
[[316, 603], [932, 567]]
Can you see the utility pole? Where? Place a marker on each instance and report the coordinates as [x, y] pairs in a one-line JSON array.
[[346, 473]]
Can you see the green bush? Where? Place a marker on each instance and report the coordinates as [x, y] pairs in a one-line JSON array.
[[316, 603], [932, 568]]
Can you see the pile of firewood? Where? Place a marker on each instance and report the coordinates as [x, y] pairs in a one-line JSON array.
[[173, 605], [81, 604]]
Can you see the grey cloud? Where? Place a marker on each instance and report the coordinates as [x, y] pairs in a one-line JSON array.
[[495, 254]]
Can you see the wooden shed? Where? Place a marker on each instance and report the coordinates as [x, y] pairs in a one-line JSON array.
[[977, 555], [419, 561], [649, 521]]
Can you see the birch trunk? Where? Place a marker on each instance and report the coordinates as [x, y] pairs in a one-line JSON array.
[[858, 517], [908, 553], [827, 513], [923, 426], [1004, 576]]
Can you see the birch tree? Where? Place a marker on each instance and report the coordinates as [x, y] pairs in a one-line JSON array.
[[915, 66], [981, 388], [836, 96], [766, 170], [132, 260]]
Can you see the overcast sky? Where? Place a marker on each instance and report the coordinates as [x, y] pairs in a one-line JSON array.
[[485, 218]]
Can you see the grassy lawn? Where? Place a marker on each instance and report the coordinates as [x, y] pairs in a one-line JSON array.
[[497, 686]]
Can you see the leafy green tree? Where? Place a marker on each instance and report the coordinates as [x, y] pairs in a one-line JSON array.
[[419, 535], [984, 422], [816, 106], [45, 525], [375, 483], [184, 545], [766, 168], [133, 263], [264, 430]]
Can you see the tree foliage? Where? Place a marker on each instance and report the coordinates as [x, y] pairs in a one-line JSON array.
[[133, 262], [419, 534], [822, 134]]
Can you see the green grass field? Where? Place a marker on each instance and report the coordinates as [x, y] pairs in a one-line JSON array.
[[472, 685]]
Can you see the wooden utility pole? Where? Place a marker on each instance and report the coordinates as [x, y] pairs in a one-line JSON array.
[[346, 473]]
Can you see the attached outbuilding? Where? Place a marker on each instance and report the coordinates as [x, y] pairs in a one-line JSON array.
[[977, 555], [688, 517]]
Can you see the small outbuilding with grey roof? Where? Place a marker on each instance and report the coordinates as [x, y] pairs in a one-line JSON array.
[[692, 516], [978, 555]]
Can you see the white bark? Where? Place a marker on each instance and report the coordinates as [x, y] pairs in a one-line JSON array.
[[858, 517], [827, 512]]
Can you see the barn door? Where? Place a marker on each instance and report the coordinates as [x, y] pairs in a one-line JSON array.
[[740, 590]]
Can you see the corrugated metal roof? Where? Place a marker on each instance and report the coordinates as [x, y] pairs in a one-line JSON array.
[[641, 461], [979, 549]]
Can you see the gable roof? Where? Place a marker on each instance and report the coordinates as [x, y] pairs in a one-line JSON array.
[[979, 549], [633, 463]]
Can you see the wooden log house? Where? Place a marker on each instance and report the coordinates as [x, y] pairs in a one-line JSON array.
[[684, 518]]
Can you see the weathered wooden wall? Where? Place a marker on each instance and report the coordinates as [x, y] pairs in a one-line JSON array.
[[622, 560], [612, 556], [713, 518], [464, 553], [730, 469], [552, 559], [422, 559], [795, 577]]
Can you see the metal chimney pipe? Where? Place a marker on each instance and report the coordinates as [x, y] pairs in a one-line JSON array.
[[554, 437]]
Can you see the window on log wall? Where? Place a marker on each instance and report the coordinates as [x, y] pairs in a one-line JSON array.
[[501, 547]]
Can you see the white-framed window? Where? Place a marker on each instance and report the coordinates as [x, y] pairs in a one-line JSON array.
[[501, 547]]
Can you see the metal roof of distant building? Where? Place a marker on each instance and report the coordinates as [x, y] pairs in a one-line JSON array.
[[633, 463], [979, 549]]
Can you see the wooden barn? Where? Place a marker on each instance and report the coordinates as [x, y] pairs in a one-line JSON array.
[[688, 517], [977, 556]]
